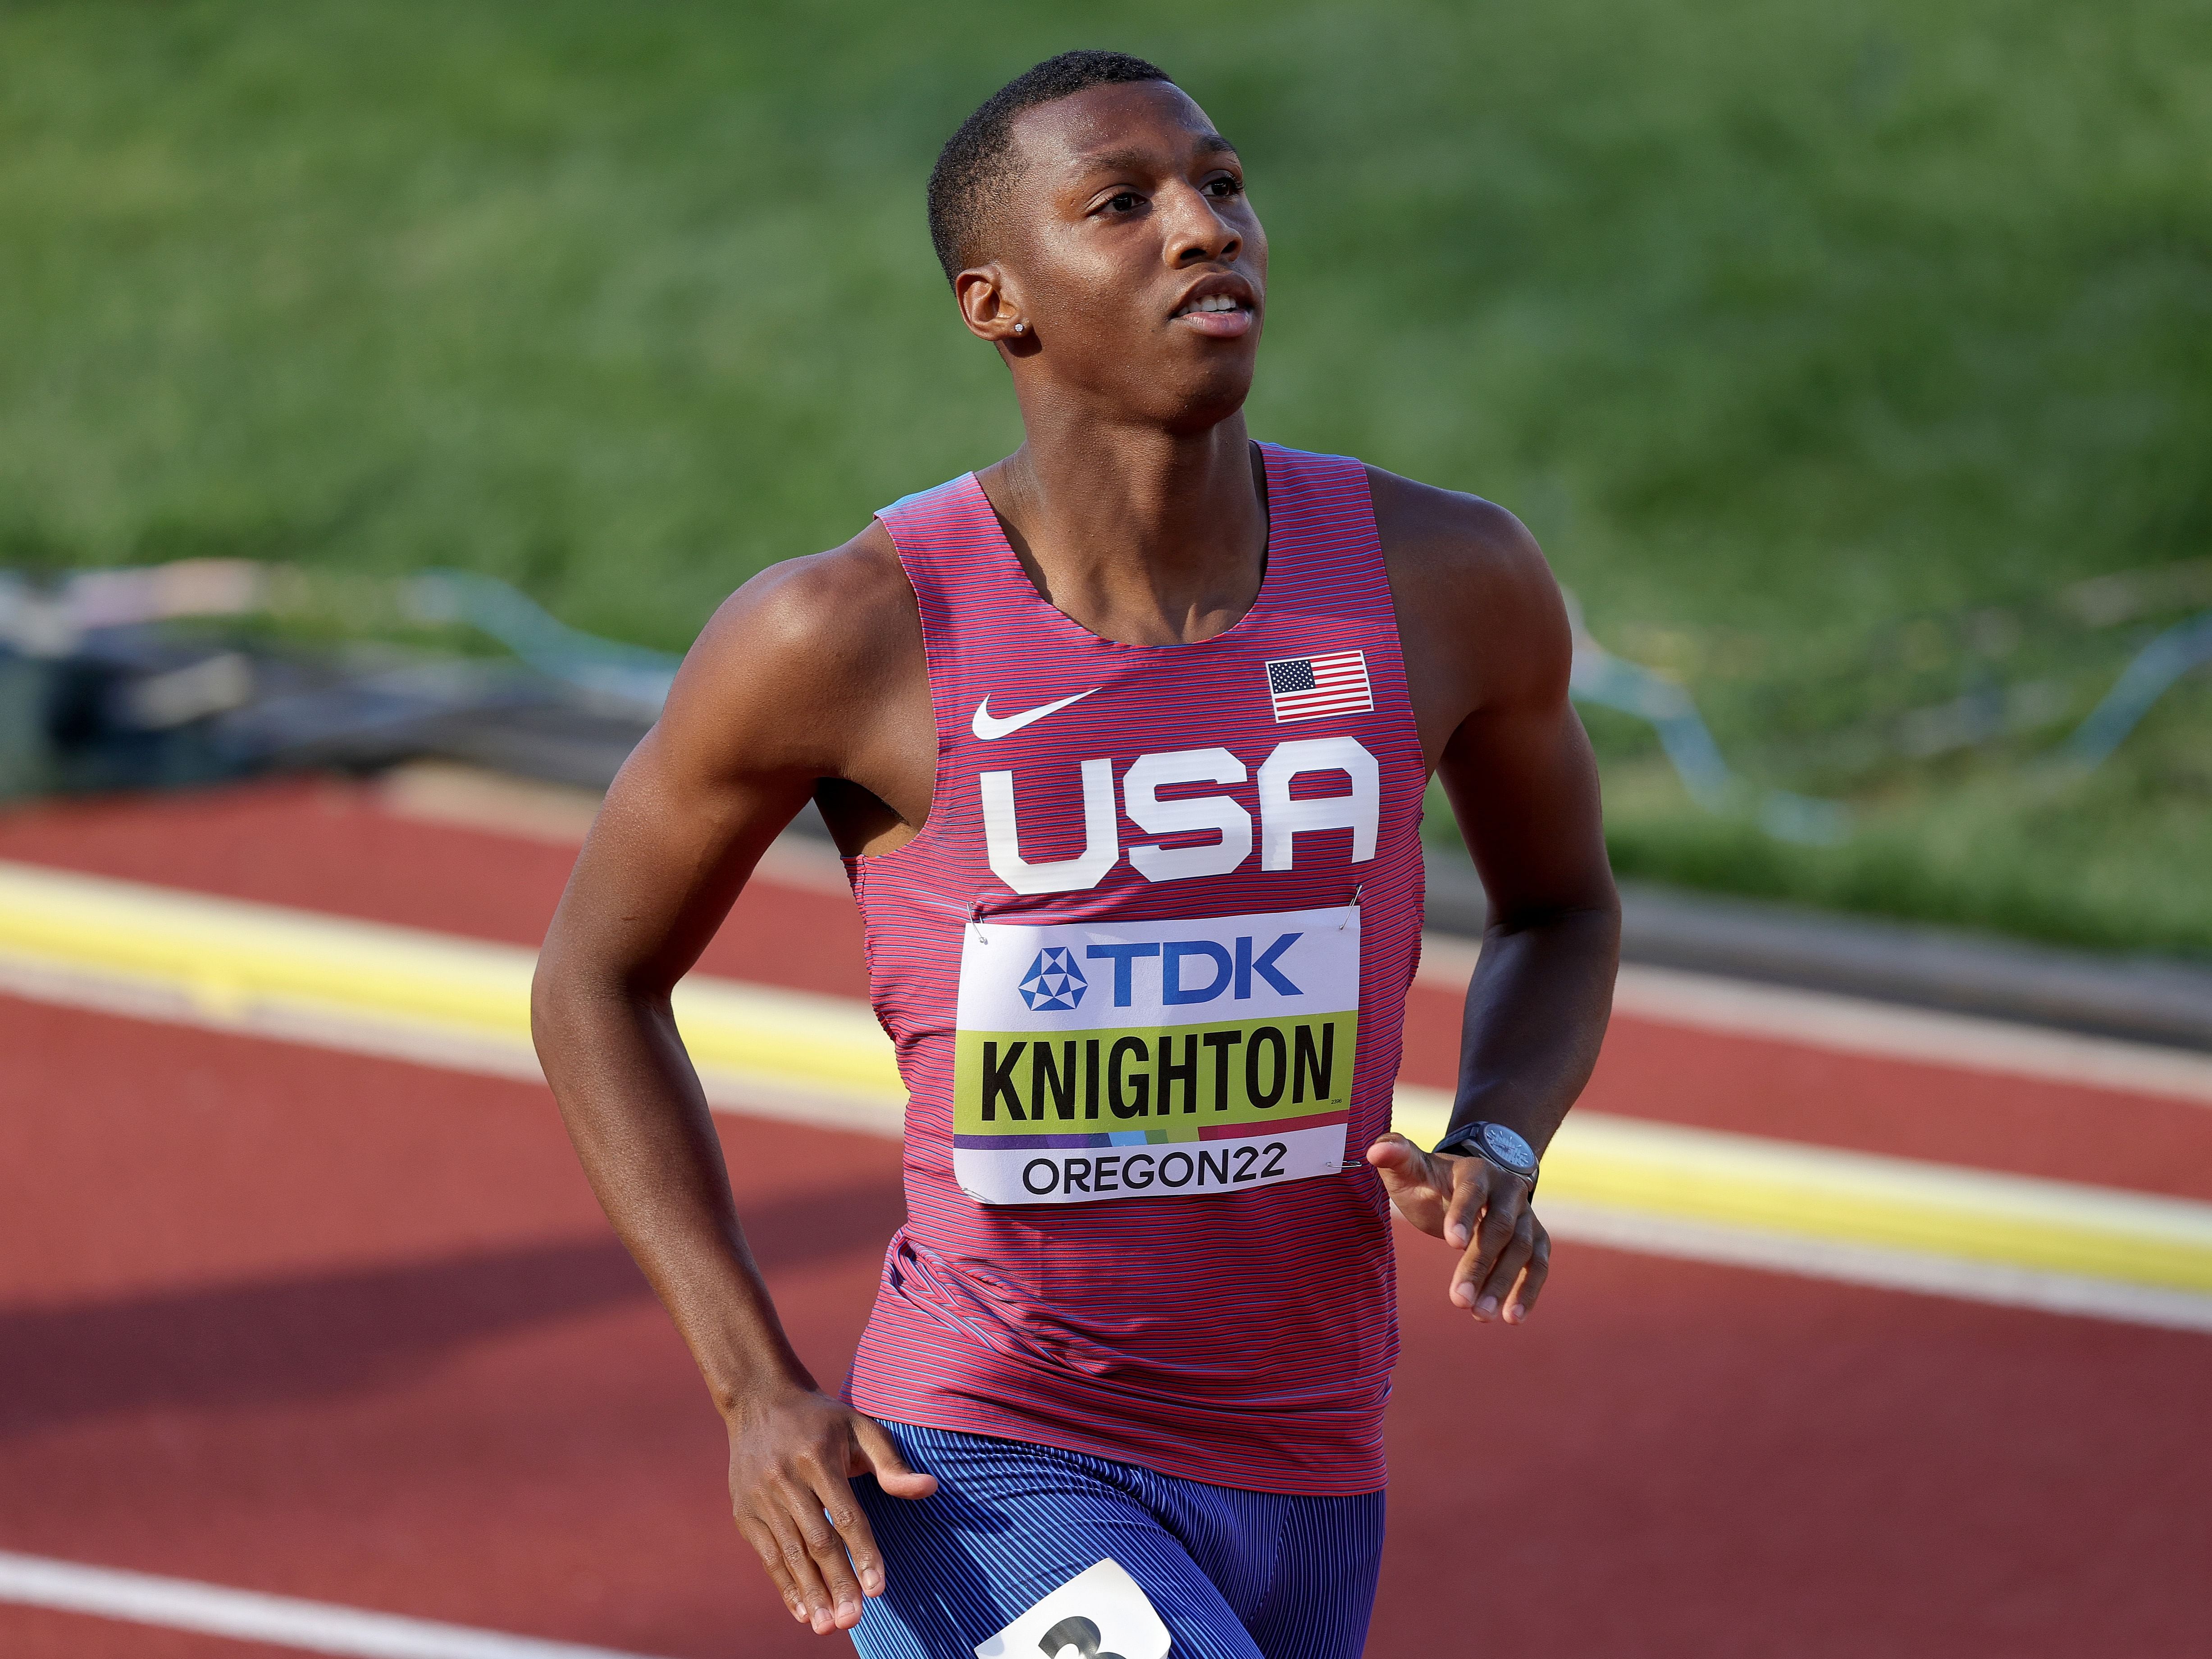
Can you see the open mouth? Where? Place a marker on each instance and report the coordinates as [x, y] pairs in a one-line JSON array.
[[1221, 315]]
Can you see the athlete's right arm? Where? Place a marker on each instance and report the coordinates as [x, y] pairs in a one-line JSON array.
[[813, 671]]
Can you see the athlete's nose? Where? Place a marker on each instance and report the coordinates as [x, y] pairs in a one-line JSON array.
[[1198, 234]]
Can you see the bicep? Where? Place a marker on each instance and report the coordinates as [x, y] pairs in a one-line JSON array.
[[1524, 788], [729, 764], [670, 849], [1518, 768], [1524, 783], [1495, 652]]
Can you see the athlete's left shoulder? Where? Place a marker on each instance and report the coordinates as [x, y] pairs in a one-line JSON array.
[[1451, 545], [1478, 606]]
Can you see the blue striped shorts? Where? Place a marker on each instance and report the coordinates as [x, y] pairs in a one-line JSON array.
[[1233, 1574]]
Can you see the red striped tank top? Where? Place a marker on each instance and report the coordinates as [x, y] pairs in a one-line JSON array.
[[1145, 967]]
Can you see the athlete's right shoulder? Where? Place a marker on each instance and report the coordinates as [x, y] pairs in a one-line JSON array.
[[804, 649], [818, 619], [835, 601]]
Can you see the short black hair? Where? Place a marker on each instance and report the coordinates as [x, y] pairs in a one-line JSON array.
[[970, 173]]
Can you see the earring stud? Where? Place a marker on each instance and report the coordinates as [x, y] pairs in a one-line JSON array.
[[1021, 328]]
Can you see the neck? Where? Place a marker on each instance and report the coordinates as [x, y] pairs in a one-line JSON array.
[[1142, 535]]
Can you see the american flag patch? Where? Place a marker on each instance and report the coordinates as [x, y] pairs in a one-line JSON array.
[[1307, 688]]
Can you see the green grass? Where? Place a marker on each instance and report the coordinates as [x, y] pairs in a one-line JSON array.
[[1796, 331], [2117, 861]]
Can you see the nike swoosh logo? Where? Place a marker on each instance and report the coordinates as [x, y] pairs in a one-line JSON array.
[[988, 726]]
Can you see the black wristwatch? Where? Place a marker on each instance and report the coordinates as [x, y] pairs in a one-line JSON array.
[[1494, 1143]]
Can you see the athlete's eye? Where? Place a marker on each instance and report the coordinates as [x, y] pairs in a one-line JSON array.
[[1225, 186], [1126, 202]]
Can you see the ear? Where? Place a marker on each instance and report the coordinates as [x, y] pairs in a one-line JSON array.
[[988, 306]]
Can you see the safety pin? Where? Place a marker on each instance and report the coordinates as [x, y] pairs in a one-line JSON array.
[[1350, 905]]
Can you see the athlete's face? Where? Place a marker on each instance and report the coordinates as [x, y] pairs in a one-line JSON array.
[[1129, 250]]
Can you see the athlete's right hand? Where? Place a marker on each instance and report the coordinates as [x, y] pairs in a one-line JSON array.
[[792, 1453]]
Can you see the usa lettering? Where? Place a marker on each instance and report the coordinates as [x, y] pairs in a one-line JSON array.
[[1280, 819]]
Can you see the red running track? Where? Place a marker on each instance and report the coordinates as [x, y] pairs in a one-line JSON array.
[[353, 1330]]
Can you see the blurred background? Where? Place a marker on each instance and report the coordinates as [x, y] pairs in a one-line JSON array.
[[386, 382], [1852, 363]]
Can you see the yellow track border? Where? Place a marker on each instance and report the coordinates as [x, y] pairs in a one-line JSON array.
[[228, 964]]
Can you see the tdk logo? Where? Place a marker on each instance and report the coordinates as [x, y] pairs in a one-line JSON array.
[[1053, 982], [1190, 970]]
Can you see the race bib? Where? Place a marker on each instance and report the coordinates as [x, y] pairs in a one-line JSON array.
[[1128, 1059], [1100, 1613]]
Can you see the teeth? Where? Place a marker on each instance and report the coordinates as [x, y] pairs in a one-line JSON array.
[[1213, 302]]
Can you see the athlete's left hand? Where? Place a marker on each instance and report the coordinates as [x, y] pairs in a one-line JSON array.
[[1472, 1204]]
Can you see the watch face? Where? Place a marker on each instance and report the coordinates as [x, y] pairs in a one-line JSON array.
[[1508, 1148]]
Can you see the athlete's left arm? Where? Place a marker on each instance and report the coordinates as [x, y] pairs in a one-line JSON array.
[[1488, 651]]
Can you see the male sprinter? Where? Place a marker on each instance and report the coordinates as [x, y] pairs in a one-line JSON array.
[[1125, 739]]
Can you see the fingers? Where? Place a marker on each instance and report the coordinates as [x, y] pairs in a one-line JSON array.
[[1469, 1192], [875, 1452], [791, 1562], [1414, 1180], [1498, 1285], [838, 1604], [792, 1457], [764, 1540], [802, 1519], [1482, 1211], [1394, 1154], [870, 1451], [813, 1534], [1532, 1281], [1506, 1204], [855, 1566]]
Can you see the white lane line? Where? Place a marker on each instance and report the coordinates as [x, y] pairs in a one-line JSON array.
[[284, 1622]]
